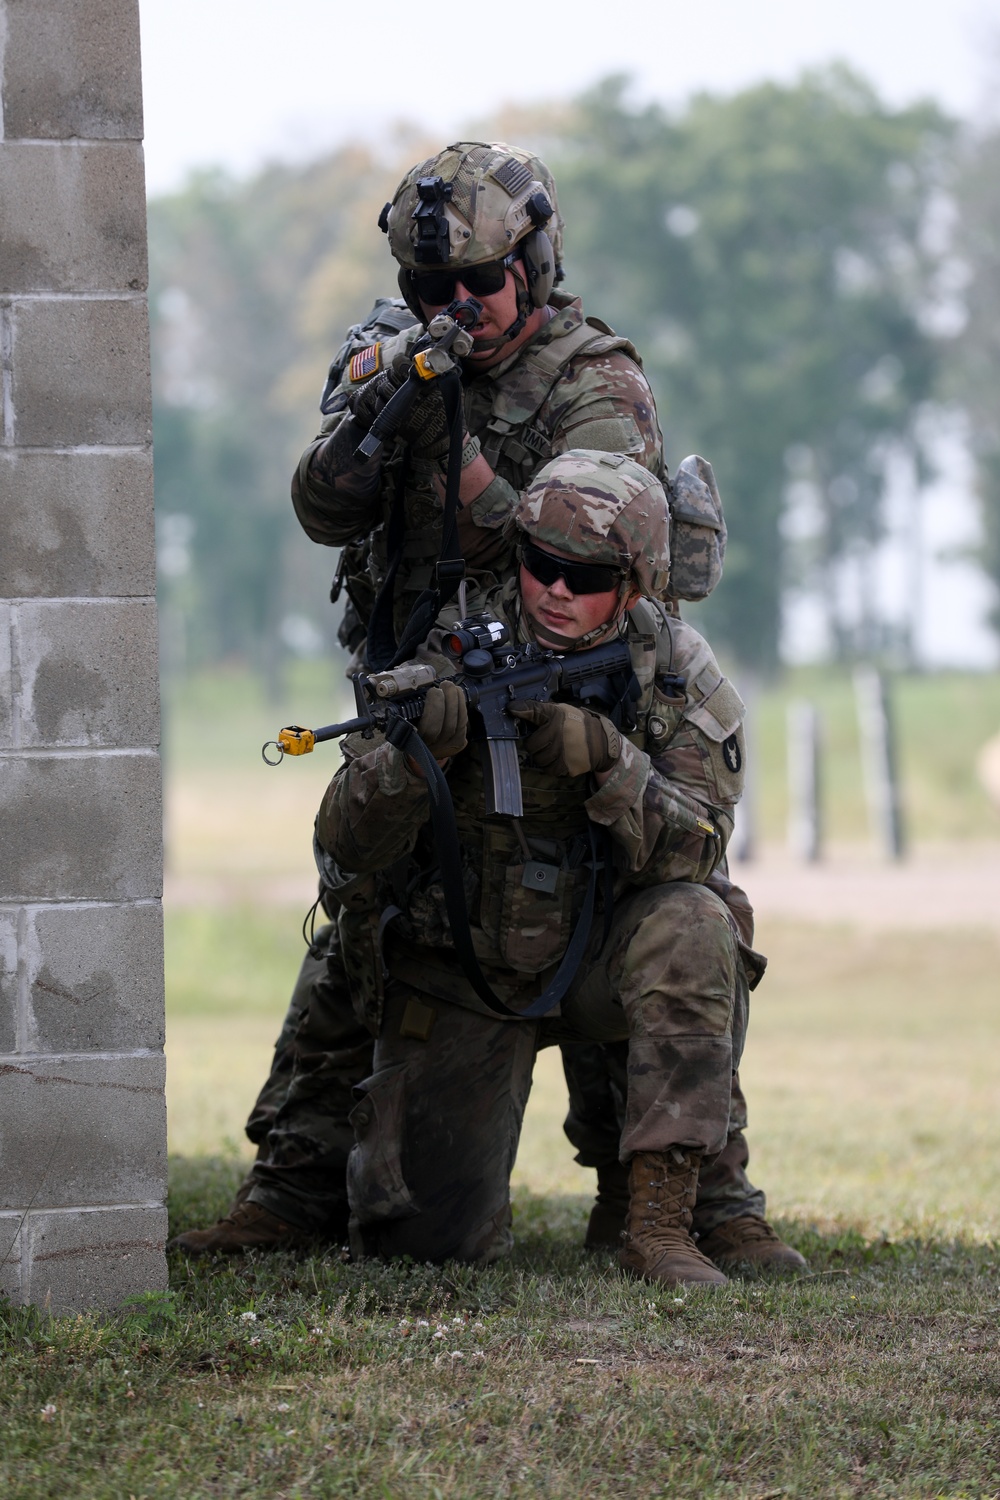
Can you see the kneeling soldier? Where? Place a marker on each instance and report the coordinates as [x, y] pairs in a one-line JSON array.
[[664, 965]]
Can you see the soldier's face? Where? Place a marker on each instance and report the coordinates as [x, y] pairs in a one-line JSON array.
[[552, 610], [499, 312]]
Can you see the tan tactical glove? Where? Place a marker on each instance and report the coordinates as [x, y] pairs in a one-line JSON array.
[[444, 723], [569, 741]]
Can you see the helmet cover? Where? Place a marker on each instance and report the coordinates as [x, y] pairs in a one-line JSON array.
[[601, 508], [483, 199]]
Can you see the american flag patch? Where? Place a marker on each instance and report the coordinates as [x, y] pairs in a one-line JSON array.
[[367, 362]]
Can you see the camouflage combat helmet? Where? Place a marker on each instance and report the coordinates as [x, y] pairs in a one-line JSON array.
[[473, 203], [603, 508]]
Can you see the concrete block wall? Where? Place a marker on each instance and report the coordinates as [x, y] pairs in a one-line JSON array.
[[82, 1115]]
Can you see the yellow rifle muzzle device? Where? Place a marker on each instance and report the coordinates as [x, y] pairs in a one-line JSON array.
[[403, 687], [295, 740]]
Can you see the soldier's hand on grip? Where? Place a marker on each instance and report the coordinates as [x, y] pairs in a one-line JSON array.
[[425, 427], [444, 723], [568, 741], [376, 393]]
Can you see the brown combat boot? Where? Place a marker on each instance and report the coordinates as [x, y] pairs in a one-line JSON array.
[[247, 1226], [750, 1243], [658, 1243], [610, 1211]]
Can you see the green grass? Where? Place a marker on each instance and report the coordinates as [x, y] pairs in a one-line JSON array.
[[231, 963], [942, 721], [553, 1375], [871, 1068], [875, 1127]]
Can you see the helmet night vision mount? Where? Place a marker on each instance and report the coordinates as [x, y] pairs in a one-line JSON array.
[[433, 242]]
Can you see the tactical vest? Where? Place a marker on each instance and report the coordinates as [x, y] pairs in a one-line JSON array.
[[522, 909]]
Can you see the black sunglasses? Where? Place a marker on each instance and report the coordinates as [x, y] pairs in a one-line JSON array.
[[437, 288], [579, 578]]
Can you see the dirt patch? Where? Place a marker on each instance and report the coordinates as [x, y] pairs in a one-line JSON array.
[[936, 886]]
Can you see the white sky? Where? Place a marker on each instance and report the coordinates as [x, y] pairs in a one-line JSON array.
[[239, 82]]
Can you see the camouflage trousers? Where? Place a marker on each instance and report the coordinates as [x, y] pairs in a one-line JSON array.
[[439, 1119], [302, 1127]]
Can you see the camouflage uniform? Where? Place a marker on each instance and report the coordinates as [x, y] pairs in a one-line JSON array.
[[670, 977], [598, 392], [574, 384]]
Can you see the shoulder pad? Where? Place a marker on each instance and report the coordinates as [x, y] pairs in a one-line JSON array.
[[713, 704], [607, 341], [523, 388], [648, 617]]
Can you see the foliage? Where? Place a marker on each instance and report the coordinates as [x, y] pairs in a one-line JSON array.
[[767, 252], [230, 265], [978, 352]]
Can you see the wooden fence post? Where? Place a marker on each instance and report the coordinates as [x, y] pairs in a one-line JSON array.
[[878, 752], [805, 829]]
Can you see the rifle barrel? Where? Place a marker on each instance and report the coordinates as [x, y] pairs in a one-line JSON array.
[[334, 731]]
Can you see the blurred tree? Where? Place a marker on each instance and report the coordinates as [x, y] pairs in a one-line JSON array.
[[977, 366], [234, 307], [767, 252]]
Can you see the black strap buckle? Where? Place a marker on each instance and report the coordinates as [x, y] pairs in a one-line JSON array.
[[449, 572]]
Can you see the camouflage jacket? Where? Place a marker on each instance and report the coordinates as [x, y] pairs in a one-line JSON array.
[[375, 846], [576, 384]]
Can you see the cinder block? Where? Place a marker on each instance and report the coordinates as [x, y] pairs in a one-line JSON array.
[[81, 372], [8, 980], [10, 1256], [6, 681], [76, 524], [94, 976], [72, 69], [88, 672], [96, 1258], [79, 827], [74, 217], [82, 1130]]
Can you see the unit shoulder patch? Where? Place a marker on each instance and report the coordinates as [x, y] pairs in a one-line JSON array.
[[732, 754], [365, 363]]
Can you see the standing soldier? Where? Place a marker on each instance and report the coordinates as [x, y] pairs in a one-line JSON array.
[[481, 221]]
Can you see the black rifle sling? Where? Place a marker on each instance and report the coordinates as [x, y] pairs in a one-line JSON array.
[[405, 737], [384, 651]]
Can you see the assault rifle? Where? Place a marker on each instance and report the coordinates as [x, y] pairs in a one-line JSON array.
[[492, 673]]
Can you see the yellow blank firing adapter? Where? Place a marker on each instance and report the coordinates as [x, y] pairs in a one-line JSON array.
[[292, 740], [295, 740]]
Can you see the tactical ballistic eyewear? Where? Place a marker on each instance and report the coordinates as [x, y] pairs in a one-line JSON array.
[[579, 578], [437, 288]]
